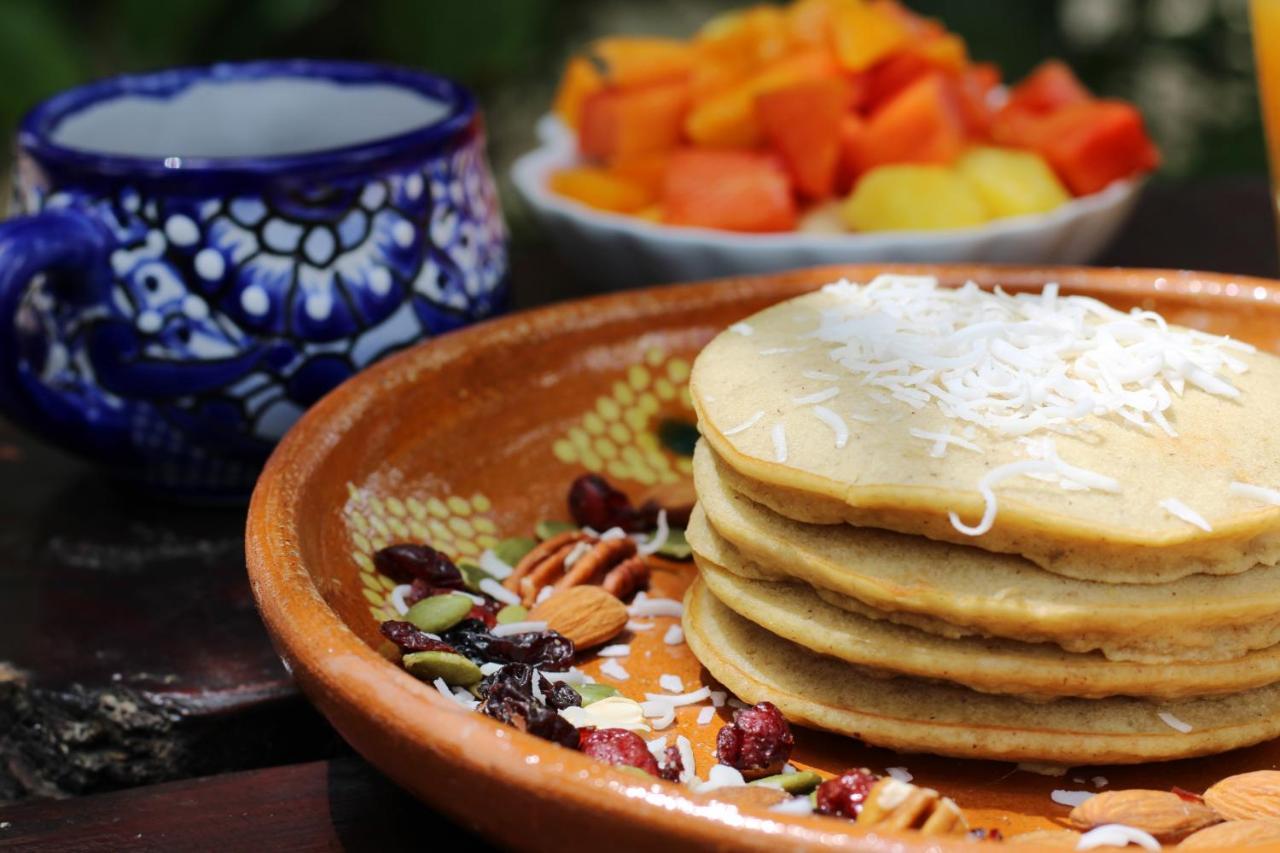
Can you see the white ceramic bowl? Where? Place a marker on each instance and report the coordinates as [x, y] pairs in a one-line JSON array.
[[616, 251]]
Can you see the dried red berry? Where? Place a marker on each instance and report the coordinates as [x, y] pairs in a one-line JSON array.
[[758, 742], [410, 639], [672, 765], [542, 648], [596, 504], [406, 563], [618, 747], [506, 705], [844, 795]]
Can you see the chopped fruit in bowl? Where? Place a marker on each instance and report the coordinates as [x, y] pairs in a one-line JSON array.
[[769, 112]]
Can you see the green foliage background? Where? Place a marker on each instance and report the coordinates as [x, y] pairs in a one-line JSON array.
[[1187, 63]]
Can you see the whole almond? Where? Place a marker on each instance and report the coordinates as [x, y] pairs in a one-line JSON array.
[[1246, 796], [1162, 813], [1233, 834], [585, 614]]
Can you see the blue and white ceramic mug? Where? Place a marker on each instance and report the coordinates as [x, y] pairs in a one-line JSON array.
[[202, 253]]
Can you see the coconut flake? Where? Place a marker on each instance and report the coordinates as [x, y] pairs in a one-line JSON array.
[[781, 350], [690, 698], [1070, 798], [660, 710], [572, 675], [578, 551], [544, 593], [1260, 494], [633, 625], [687, 761], [495, 565], [721, 776], [819, 375], [671, 683], [1116, 835], [999, 474], [1178, 509], [1173, 722], [816, 397], [510, 629], [674, 636], [490, 668], [706, 715], [779, 435], [1100, 781], [397, 598], [942, 439], [614, 670], [902, 774], [744, 426], [655, 607], [833, 420], [718, 698], [491, 587], [793, 806], [653, 544], [617, 650], [743, 329]]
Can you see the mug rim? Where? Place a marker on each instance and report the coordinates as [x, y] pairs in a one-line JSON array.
[[36, 128]]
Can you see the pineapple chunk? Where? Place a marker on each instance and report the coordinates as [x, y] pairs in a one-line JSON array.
[[1011, 182], [911, 198]]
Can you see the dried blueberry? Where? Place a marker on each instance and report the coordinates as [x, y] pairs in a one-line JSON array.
[[541, 648], [758, 742], [410, 639], [506, 705], [407, 563]]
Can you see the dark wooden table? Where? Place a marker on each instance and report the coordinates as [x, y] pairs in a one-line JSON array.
[[141, 705]]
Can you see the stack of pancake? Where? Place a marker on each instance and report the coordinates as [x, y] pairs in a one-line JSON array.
[[1026, 528]]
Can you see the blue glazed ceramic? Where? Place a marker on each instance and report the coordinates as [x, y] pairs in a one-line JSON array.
[[205, 252]]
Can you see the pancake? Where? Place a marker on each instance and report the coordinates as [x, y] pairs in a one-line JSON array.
[[903, 578], [756, 396], [913, 716], [794, 612]]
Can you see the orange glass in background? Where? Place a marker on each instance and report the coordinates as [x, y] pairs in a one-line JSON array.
[[1265, 15]]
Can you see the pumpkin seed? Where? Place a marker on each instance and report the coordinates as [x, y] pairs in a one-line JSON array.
[[547, 529], [793, 783], [676, 547], [472, 575], [456, 670], [594, 692], [511, 550], [512, 613], [439, 612]]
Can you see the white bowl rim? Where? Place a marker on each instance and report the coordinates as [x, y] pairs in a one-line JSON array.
[[530, 171]]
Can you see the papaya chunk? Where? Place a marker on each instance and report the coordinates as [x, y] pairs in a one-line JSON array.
[[629, 61], [580, 80], [864, 32], [600, 189], [733, 190], [728, 120], [853, 131], [802, 124], [924, 124], [1051, 86], [1094, 143], [624, 122]]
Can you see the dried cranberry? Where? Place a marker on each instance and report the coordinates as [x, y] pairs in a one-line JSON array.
[[993, 834], [560, 696], [539, 648], [505, 705], [672, 765], [618, 747], [420, 589], [595, 503], [484, 613], [844, 795], [407, 563], [410, 639], [758, 742]]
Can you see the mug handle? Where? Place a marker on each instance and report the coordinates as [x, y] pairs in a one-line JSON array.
[[64, 240]]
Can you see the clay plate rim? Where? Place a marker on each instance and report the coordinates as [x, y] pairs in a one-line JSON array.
[[389, 716]]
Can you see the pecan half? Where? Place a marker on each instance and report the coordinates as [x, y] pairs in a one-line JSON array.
[[539, 555], [595, 564], [628, 577]]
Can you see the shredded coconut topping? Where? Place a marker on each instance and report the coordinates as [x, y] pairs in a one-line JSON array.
[[942, 439], [491, 587], [743, 329], [779, 436], [745, 425], [671, 683], [612, 669], [1261, 494], [1017, 363], [816, 397], [1173, 722], [1180, 510], [674, 636], [706, 715], [833, 420], [495, 565], [1070, 798]]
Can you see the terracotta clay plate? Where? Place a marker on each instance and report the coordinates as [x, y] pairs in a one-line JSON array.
[[476, 436]]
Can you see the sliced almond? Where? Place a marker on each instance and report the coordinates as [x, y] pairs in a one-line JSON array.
[[585, 614], [1232, 834], [758, 796], [1162, 813], [1246, 796]]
